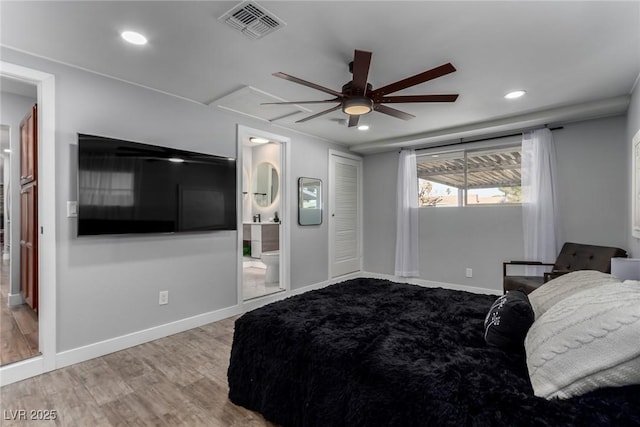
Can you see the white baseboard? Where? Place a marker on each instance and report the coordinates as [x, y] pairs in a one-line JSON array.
[[268, 299], [432, 284], [15, 299], [32, 367], [102, 348], [90, 351], [21, 370]]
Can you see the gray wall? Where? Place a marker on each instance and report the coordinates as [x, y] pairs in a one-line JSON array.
[[633, 126], [108, 286], [592, 210], [14, 108], [592, 178]]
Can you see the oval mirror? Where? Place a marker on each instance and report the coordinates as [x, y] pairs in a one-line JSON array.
[[265, 184]]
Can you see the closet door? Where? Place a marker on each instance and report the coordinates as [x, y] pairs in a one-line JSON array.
[[345, 196]]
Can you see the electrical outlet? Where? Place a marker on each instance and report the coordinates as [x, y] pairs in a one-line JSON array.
[[469, 272], [164, 298]]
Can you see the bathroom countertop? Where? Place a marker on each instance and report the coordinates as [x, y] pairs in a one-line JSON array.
[[263, 222]]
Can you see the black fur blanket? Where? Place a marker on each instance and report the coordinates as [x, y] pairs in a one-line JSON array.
[[371, 352]]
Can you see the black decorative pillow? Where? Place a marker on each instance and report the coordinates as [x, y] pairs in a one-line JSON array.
[[508, 321]]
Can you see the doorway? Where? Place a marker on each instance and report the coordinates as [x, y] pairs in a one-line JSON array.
[[19, 297], [44, 206], [263, 214]]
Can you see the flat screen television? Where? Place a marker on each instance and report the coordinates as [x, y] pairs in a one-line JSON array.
[[128, 187]]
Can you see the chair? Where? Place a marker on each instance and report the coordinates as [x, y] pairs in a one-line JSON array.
[[572, 257]]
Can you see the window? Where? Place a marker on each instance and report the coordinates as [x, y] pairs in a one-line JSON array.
[[466, 177]]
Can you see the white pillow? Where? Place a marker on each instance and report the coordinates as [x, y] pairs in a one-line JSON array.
[[555, 290], [586, 341]]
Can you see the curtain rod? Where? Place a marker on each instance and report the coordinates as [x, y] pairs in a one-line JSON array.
[[483, 139]]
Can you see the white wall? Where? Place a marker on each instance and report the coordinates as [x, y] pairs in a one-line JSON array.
[[591, 158], [14, 108], [633, 126], [108, 287]]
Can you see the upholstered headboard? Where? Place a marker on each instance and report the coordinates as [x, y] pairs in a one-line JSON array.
[[577, 256]]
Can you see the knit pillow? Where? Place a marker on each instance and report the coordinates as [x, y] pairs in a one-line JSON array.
[[586, 341], [555, 290]]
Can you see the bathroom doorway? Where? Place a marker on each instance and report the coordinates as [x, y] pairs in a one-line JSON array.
[[262, 232]]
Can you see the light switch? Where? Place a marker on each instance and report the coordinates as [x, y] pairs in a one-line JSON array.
[[72, 209]]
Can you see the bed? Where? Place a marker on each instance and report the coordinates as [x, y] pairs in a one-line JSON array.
[[370, 352]]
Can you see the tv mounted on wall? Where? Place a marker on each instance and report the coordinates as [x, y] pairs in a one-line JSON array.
[[128, 187]]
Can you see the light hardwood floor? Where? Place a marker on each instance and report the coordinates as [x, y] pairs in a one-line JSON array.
[[18, 325], [179, 380]]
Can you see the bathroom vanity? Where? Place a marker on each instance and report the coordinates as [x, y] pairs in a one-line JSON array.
[[264, 237]]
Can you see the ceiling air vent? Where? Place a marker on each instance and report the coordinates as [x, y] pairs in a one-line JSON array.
[[252, 20]]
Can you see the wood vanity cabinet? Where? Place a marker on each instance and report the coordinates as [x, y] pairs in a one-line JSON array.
[[264, 237]]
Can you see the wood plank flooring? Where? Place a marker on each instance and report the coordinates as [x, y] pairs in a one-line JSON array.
[[18, 325], [179, 380]]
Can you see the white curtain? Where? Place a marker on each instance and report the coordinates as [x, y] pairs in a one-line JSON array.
[[407, 216], [539, 198]]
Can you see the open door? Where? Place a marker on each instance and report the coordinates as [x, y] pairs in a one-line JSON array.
[[29, 208]]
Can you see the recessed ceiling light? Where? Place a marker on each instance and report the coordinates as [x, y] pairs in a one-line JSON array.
[[363, 127], [176, 160], [258, 140], [515, 94], [134, 37]]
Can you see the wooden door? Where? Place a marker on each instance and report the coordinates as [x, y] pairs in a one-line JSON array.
[[29, 208], [29, 244], [345, 210], [29, 147]]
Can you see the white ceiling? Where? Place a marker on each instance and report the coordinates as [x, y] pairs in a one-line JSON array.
[[562, 53]]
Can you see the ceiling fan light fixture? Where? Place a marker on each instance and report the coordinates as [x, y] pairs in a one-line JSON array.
[[357, 105]]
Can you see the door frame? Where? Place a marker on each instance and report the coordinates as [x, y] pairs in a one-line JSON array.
[[331, 202], [243, 132], [47, 318]]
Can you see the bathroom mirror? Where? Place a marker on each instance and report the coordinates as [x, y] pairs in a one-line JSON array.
[[309, 201], [264, 185]]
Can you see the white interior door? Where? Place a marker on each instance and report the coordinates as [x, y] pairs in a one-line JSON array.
[[345, 214]]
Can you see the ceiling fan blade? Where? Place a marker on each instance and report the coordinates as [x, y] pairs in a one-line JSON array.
[[419, 98], [353, 120], [321, 113], [301, 102], [361, 63], [308, 84], [434, 73], [393, 112]]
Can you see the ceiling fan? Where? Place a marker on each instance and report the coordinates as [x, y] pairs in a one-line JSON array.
[[358, 97]]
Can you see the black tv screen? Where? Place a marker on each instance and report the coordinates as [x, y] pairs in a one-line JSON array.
[[128, 187]]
